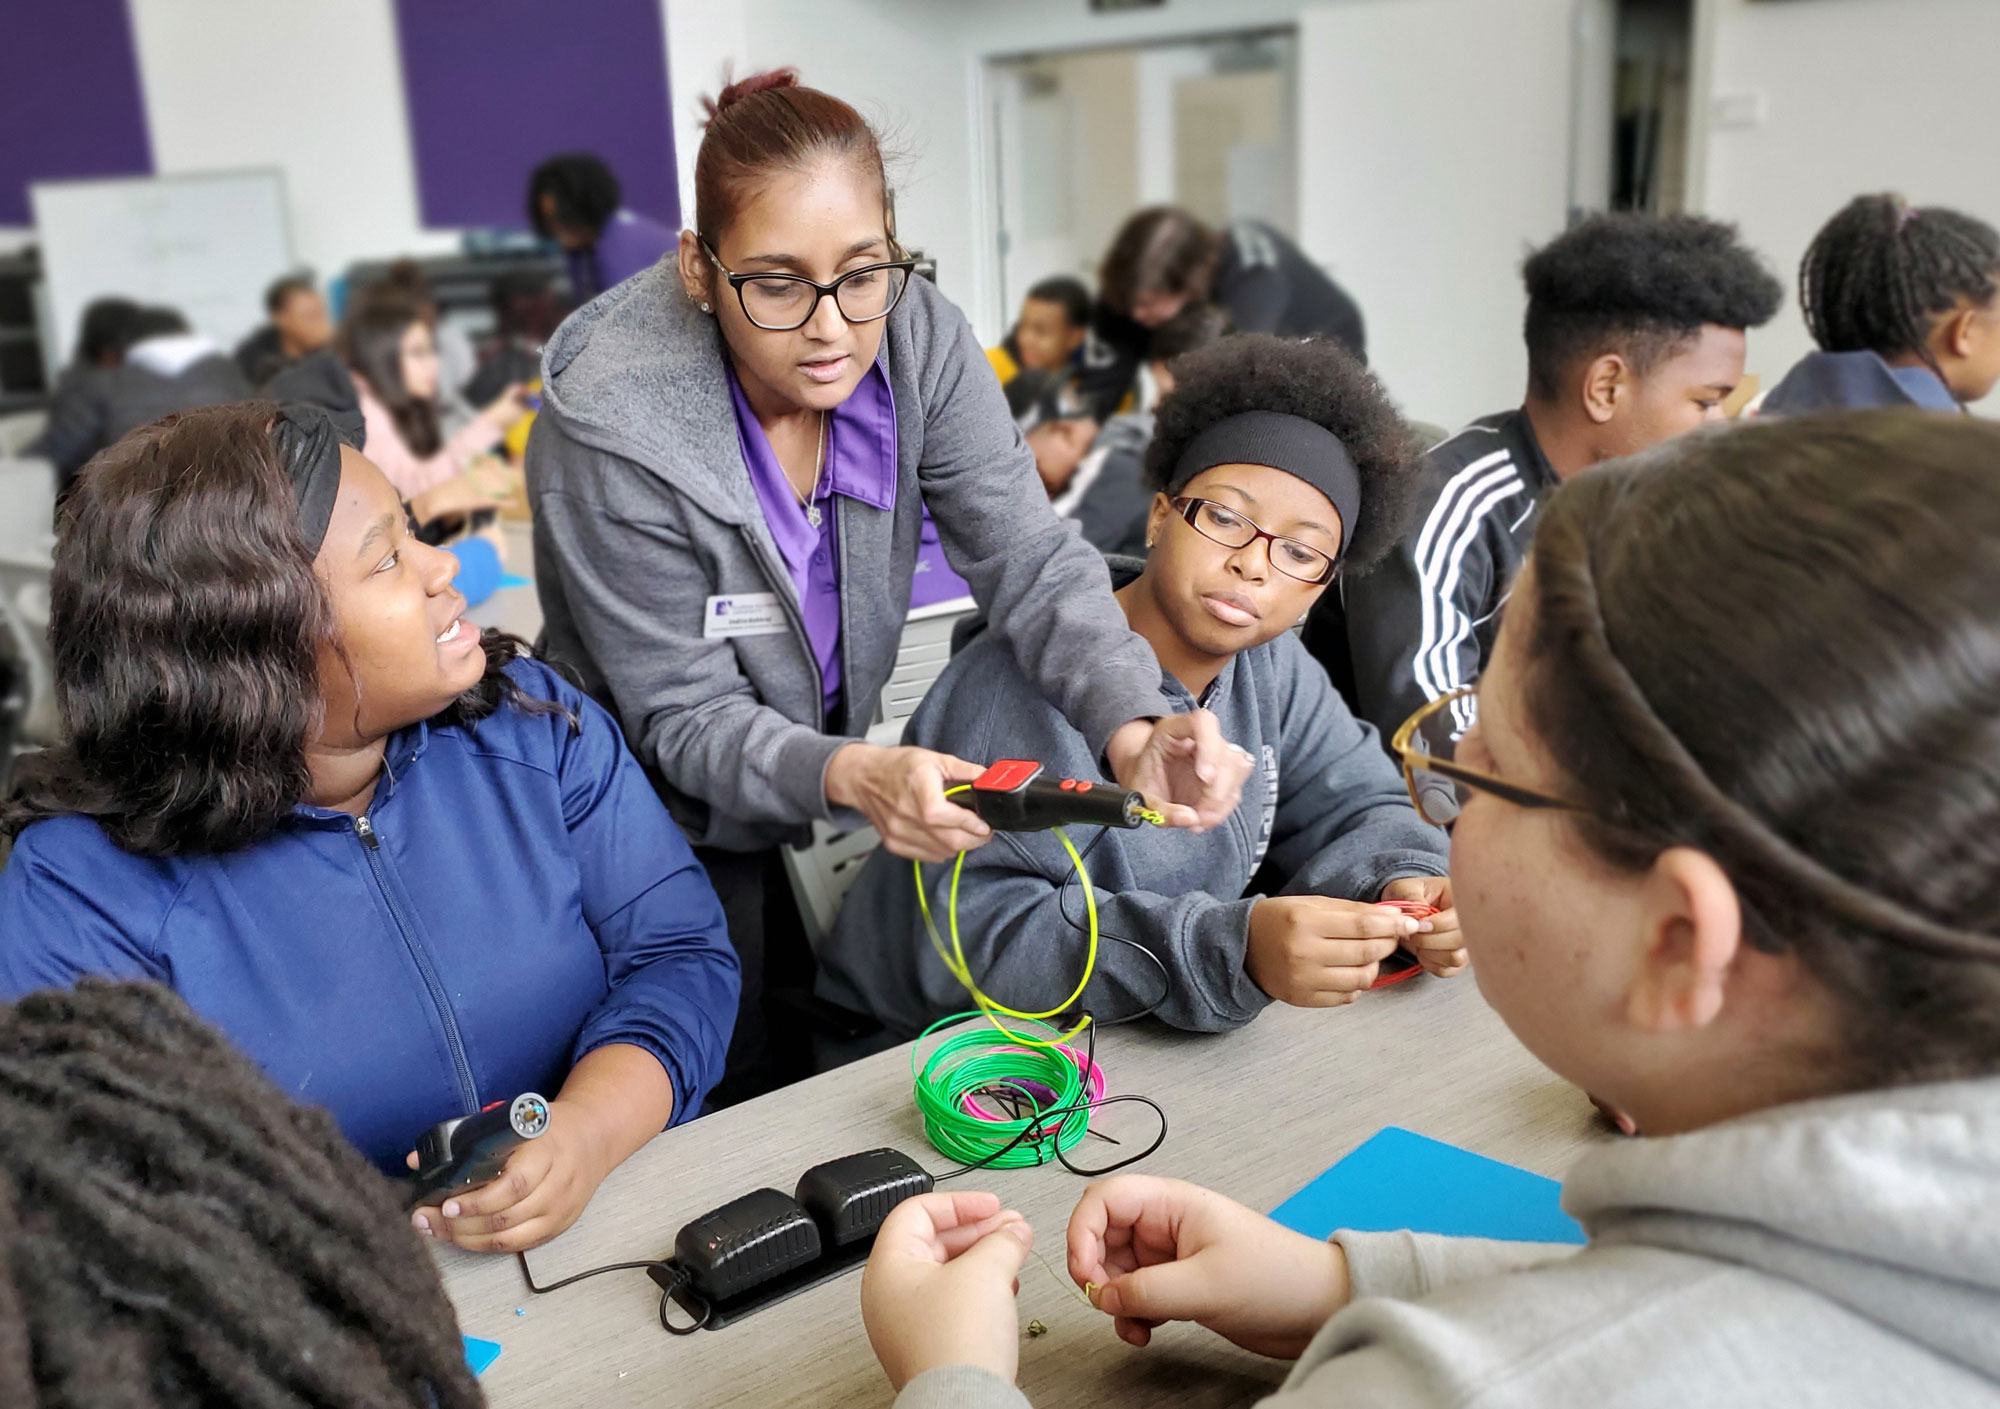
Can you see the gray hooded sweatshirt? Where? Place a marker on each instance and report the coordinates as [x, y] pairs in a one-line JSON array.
[[1832, 1253], [644, 511], [1323, 805]]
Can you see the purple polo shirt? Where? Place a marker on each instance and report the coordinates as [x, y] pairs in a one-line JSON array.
[[628, 243], [861, 464]]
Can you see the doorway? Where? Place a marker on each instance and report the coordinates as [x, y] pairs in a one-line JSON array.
[[1081, 139], [1631, 106]]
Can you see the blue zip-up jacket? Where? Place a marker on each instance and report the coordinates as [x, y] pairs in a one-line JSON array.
[[1846, 381], [515, 897]]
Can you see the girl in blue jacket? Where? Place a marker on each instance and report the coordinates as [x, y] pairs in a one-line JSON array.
[[408, 873], [1904, 302]]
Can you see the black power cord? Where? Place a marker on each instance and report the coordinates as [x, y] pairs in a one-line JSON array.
[[671, 1278]]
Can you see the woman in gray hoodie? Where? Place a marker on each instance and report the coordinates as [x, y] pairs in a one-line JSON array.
[[1727, 851], [729, 480]]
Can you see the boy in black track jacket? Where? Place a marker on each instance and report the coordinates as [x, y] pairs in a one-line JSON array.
[[1635, 333]]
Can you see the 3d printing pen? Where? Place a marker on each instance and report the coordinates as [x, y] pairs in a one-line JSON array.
[[1013, 796], [462, 1153]]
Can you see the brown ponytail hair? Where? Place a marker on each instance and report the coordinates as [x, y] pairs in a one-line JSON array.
[[767, 123], [1779, 643]]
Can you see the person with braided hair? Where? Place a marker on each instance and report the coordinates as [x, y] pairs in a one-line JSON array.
[[175, 1233], [1739, 871], [407, 870], [1904, 302]]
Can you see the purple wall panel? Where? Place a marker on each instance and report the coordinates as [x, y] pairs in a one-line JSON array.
[[70, 104], [493, 86]]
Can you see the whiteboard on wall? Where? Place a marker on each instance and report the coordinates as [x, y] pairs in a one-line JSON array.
[[206, 244]]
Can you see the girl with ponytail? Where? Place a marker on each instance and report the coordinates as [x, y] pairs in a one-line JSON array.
[[1902, 302]]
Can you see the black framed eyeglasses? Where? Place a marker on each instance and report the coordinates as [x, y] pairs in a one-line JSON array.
[[1221, 524], [1425, 744], [778, 302]]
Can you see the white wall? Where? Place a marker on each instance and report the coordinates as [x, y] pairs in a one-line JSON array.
[[1428, 170], [312, 87], [708, 41], [1859, 95]]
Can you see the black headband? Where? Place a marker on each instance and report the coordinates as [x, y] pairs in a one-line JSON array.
[[309, 450], [1293, 444]]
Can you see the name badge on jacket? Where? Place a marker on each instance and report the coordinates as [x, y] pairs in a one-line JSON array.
[[745, 614]]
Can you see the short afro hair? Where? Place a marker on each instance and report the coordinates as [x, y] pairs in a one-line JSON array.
[[1318, 380], [1642, 286], [585, 191], [1070, 293]]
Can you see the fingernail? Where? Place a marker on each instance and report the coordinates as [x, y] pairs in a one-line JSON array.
[[420, 1223], [1019, 1228], [1425, 927], [450, 1210]]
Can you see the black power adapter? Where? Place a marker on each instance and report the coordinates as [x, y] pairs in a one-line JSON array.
[[757, 1250]]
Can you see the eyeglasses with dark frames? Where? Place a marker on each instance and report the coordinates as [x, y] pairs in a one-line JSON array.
[[1434, 782], [778, 302], [1221, 524]]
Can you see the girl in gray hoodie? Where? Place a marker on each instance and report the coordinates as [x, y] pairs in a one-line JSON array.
[[1276, 465], [1727, 851]]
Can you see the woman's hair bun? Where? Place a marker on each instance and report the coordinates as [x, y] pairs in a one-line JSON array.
[[736, 91]]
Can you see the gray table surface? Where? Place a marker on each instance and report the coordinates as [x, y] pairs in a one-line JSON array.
[[1254, 1114]]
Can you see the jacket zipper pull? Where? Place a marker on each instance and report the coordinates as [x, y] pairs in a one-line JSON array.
[[365, 829]]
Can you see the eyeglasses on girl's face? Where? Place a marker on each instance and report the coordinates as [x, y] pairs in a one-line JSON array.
[[1426, 745], [1221, 524]]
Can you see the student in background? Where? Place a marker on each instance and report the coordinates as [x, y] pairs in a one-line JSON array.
[[575, 200], [457, 361], [1163, 259], [75, 411], [1108, 495], [1260, 437], [386, 344], [102, 334], [1749, 891], [1049, 334], [163, 366], [1901, 300], [525, 317], [407, 870], [1635, 332], [729, 476], [299, 324], [175, 1234]]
